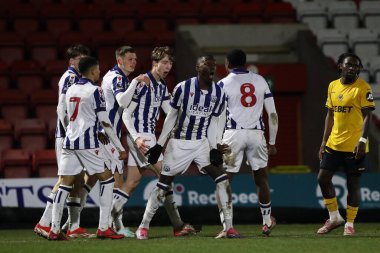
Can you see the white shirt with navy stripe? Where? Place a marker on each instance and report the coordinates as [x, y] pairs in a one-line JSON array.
[[83, 100], [245, 95], [196, 107], [149, 99], [70, 77], [114, 82]]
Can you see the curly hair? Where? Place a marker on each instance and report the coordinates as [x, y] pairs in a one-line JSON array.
[[159, 53]]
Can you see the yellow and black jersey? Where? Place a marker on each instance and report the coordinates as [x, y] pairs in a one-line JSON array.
[[347, 101]]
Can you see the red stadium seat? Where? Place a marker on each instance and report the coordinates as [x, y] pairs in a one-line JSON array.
[[54, 69], [45, 104], [280, 12], [155, 25], [52, 125], [67, 39], [58, 26], [29, 84], [244, 12], [31, 133], [44, 163], [25, 19], [139, 38], [152, 10], [91, 25], [215, 11], [122, 11], [13, 105], [11, 47], [25, 26], [107, 39], [165, 38], [6, 135], [15, 163], [4, 82], [42, 47], [184, 10], [122, 25]]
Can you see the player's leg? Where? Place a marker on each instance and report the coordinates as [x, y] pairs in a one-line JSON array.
[[353, 200], [223, 233], [43, 226], [330, 162], [223, 192], [263, 192], [157, 197]]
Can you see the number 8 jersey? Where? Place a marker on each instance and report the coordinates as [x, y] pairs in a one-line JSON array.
[[83, 100], [245, 94]]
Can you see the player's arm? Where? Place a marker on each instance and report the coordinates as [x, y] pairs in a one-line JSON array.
[[61, 111], [125, 98], [329, 123], [361, 146], [273, 124], [166, 106]]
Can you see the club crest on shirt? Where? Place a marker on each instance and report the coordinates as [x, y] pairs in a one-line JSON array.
[[369, 97], [214, 99], [119, 82], [166, 168], [340, 97]]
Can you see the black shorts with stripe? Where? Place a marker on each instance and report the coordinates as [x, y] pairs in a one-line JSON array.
[[336, 161]]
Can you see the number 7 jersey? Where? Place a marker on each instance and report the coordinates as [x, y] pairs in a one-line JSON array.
[[83, 101], [245, 94]]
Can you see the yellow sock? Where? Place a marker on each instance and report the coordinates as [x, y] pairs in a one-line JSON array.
[[351, 213], [331, 204]]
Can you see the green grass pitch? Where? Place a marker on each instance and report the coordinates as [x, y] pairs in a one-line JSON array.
[[284, 238]]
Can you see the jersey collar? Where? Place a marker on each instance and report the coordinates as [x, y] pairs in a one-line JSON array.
[[198, 88], [84, 80], [118, 70], [154, 81], [74, 70], [239, 71]]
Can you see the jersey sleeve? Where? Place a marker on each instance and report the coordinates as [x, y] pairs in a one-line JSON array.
[[177, 98], [100, 101], [166, 94], [366, 98], [119, 84], [69, 80], [140, 91], [329, 104], [221, 103]]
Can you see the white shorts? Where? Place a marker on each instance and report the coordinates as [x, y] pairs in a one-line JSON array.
[[250, 141], [58, 149], [180, 153], [74, 161], [112, 155], [135, 158]]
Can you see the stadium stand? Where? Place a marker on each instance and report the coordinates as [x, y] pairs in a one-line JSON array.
[[44, 163], [15, 163]]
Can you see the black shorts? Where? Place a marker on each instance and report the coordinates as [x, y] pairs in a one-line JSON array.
[[336, 160]]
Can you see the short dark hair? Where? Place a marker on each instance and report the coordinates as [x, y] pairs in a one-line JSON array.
[[236, 58], [346, 55], [121, 51], [77, 50], [206, 57], [159, 53], [86, 63]]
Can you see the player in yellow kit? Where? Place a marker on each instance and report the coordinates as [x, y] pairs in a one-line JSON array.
[[344, 144]]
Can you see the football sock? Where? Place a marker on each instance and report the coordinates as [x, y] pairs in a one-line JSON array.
[[223, 191], [120, 198], [221, 215], [106, 188], [157, 197], [73, 207], [47, 215], [172, 210], [58, 204], [332, 207], [265, 212], [351, 214]]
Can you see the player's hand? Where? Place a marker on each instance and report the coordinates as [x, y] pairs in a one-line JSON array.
[[143, 147], [359, 150], [103, 138], [216, 157], [143, 78], [321, 152], [154, 153], [223, 148], [123, 155], [272, 150]]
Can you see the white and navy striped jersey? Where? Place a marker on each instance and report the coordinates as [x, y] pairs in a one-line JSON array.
[[70, 77], [245, 94], [114, 82], [196, 107], [149, 99], [83, 100]]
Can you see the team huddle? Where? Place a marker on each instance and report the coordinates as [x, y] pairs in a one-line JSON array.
[[204, 123]]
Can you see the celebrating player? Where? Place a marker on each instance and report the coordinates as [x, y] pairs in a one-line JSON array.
[[140, 118], [344, 143], [71, 76], [86, 107], [195, 105], [247, 94]]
